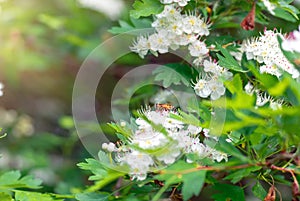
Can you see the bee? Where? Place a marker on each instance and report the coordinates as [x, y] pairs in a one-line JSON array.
[[165, 106]]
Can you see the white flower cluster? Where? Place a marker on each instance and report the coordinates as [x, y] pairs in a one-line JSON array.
[[265, 49], [169, 145], [292, 43], [211, 83], [172, 30]]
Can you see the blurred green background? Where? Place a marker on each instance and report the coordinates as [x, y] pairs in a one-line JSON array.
[[42, 45]]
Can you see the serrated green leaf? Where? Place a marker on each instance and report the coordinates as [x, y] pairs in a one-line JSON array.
[[12, 179], [173, 74], [259, 191], [228, 192], [134, 24], [240, 174], [192, 184], [92, 196], [95, 167], [145, 8], [32, 196]]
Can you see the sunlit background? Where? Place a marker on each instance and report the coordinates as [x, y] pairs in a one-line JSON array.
[[42, 45]]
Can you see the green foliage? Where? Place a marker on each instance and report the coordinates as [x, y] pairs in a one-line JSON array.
[[92, 196], [193, 183], [133, 25], [32, 196], [259, 191], [227, 191], [227, 61], [13, 179], [173, 74], [145, 8]]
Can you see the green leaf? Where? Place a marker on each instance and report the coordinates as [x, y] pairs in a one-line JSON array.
[[289, 8], [228, 192], [145, 8], [236, 85], [281, 13], [92, 196], [259, 191], [240, 174], [192, 184], [174, 170], [173, 74], [95, 167], [279, 88], [32, 196], [13, 179], [134, 24], [228, 148], [5, 197], [227, 61]]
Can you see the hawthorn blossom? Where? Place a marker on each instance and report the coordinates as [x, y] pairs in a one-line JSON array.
[[166, 147], [265, 50], [198, 48], [139, 164], [172, 30], [211, 84], [141, 46]]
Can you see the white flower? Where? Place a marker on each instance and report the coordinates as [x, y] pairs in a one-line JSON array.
[[169, 156], [170, 13], [185, 39], [110, 147], [192, 24], [210, 66], [158, 42], [292, 43], [141, 46], [181, 3], [219, 156], [1, 89], [202, 89], [148, 138], [270, 6], [265, 50], [198, 48], [249, 88], [139, 164], [217, 89], [166, 1], [194, 129]]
